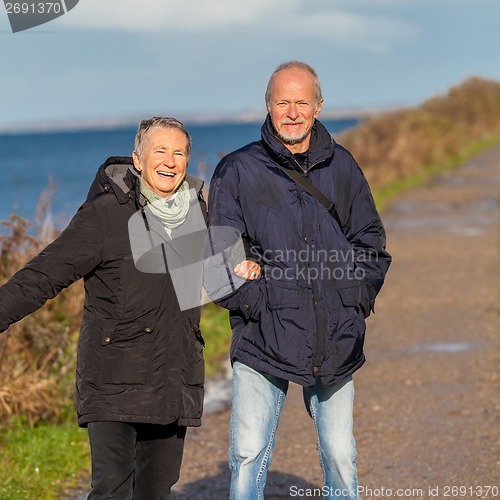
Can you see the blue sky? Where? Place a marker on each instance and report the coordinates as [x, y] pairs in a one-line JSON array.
[[109, 60]]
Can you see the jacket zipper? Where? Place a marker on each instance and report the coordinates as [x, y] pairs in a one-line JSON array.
[[320, 344]]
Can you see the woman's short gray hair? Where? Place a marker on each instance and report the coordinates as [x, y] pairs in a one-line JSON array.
[[290, 65], [159, 122]]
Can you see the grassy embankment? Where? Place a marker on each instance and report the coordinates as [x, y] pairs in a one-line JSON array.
[[405, 147], [43, 451]]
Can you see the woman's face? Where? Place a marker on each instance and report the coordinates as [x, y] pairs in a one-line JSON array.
[[163, 161]]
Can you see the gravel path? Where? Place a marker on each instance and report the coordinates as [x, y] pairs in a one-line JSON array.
[[427, 401]]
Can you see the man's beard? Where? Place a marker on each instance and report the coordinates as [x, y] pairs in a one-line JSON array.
[[292, 140]]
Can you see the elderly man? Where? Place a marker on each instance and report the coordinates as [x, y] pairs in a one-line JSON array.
[[305, 206], [140, 364]]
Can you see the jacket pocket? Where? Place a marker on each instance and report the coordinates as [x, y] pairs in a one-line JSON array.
[[283, 296], [350, 334], [194, 365], [126, 353], [193, 375], [285, 324], [351, 295], [349, 304]]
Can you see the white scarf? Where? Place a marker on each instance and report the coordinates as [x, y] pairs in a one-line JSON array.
[[171, 211]]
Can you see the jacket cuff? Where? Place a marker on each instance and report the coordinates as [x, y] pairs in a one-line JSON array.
[[240, 253], [251, 299]]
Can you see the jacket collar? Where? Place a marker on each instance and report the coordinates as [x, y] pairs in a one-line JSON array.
[[321, 147], [117, 174]]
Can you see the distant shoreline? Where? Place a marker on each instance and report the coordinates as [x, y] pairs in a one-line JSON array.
[[202, 119]]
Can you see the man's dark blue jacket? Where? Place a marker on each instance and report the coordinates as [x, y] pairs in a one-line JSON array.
[[305, 317]]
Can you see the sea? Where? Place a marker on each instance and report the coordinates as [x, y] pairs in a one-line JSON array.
[[64, 163]]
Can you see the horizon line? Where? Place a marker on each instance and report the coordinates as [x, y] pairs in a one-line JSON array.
[[76, 124]]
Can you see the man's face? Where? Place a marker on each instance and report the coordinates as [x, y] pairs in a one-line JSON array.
[[163, 161], [293, 108]]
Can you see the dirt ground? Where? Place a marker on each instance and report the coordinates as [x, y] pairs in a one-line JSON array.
[[427, 400]]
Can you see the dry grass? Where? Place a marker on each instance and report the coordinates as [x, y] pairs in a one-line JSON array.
[[392, 146], [37, 355]]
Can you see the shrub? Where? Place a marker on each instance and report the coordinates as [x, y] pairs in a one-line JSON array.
[[394, 145], [37, 354]]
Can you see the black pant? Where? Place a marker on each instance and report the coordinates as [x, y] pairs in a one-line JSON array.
[[134, 461]]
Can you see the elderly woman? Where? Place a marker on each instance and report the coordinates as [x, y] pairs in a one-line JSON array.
[[140, 370]]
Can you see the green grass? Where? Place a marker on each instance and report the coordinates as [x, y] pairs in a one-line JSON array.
[[217, 334], [42, 462]]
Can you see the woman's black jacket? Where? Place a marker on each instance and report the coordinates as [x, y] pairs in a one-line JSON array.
[[139, 355]]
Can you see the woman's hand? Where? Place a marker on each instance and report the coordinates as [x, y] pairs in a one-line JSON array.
[[248, 269]]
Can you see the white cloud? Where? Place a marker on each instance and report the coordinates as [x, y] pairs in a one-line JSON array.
[[358, 31], [285, 18], [164, 15]]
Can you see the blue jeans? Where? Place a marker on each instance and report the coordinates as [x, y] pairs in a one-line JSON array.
[[257, 403]]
